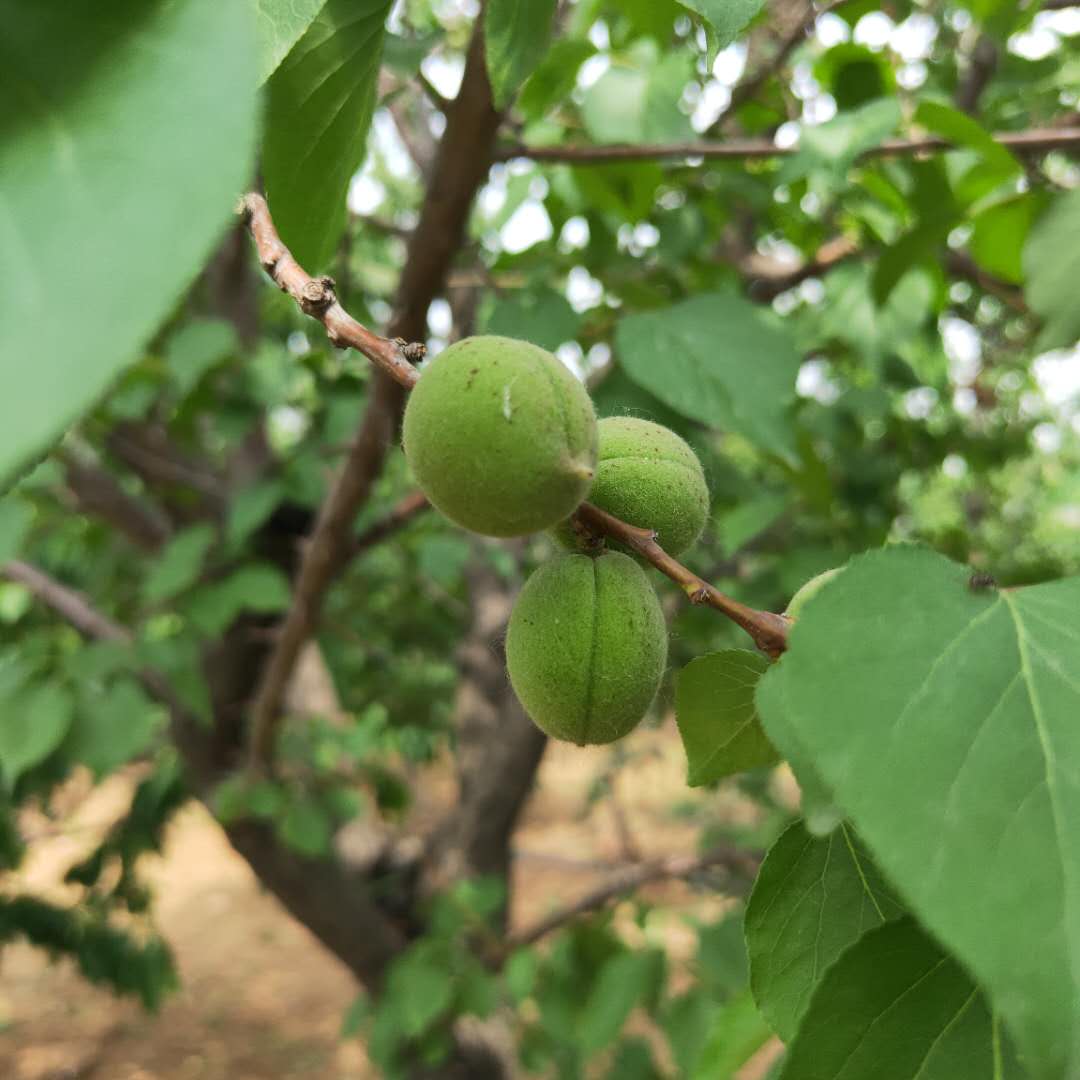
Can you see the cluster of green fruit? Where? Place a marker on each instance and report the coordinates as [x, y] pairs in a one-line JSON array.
[[504, 441]]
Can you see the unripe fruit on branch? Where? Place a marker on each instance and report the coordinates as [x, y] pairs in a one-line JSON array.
[[809, 590], [650, 478], [586, 647], [500, 436]]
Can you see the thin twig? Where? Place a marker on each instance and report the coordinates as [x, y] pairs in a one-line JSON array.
[[742, 864], [963, 265], [409, 507], [75, 609], [317, 297], [432, 93], [747, 88], [72, 605], [1031, 141], [768, 630], [98, 493]]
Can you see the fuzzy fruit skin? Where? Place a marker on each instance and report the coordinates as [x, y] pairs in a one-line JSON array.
[[500, 436], [809, 590], [649, 477], [586, 647]]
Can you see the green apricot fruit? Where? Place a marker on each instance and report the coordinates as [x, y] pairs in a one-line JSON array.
[[809, 590], [649, 477], [500, 436], [586, 647]]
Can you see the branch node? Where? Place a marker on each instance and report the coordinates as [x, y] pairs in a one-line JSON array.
[[317, 294], [413, 351]]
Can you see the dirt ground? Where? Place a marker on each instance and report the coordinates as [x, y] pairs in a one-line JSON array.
[[260, 998]]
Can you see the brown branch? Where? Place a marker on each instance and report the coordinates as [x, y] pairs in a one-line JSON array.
[[1031, 141], [98, 493], [316, 297], [461, 165], [765, 284], [408, 508], [963, 265], [981, 65], [768, 630], [740, 864], [748, 87], [72, 606], [325, 554]]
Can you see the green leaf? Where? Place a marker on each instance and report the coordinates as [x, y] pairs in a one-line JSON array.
[[850, 314], [306, 827], [960, 128], [694, 357], [278, 26], [833, 147], [319, 107], [740, 525], [638, 104], [195, 348], [258, 587], [943, 718], [250, 508], [895, 1007], [32, 726], [820, 813], [112, 727], [813, 898], [179, 565], [998, 235], [714, 708], [543, 317], [555, 77], [420, 988], [16, 517], [728, 18], [1052, 266], [107, 108], [738, 1031], [516, 36], [624, 981]]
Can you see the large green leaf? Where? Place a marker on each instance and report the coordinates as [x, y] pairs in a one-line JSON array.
[[714, 708], [727, 18], [516, 36], [111, 727], [695, 356], [832, 148], [813, 898], [1052, 266], [943, 717], [543, 317], [279, 25], [999, 232], [963, 130], [32, 725], [638, 104], [319, 107], [895, 1007], [125, 137]]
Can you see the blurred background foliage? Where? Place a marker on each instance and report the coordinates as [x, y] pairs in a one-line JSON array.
[[861, 349]]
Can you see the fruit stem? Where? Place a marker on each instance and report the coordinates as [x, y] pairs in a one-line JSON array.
[[768, 629]]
